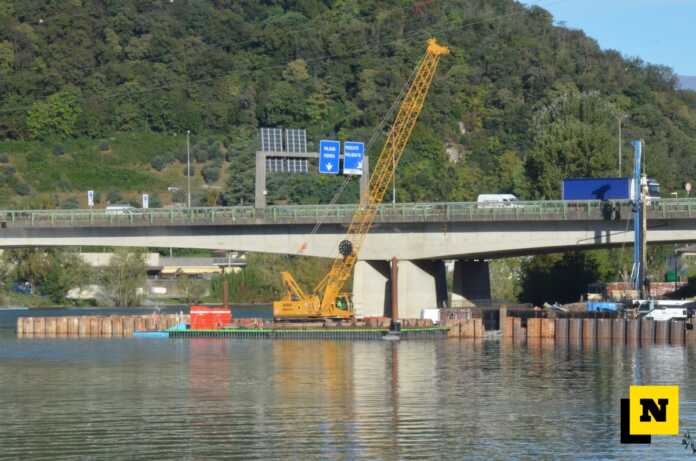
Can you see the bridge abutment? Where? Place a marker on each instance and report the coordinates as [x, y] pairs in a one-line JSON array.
[[471, 283]]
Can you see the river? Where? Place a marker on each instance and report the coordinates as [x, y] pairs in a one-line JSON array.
[[262, 399]]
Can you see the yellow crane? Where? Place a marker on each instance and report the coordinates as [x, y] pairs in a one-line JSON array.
[[327, 300]]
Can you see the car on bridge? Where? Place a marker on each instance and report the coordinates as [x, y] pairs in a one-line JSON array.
[[497, 201]]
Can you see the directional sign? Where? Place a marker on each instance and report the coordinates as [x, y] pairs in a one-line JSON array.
[[353, 153], [329, 152], [90, 198]]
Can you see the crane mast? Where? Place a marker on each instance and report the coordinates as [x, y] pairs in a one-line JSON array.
[[323, 301]]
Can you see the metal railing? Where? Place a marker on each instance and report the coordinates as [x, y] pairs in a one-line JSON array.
[[312, 214]]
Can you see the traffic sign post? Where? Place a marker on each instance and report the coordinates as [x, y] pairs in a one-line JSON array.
[[146, 201], [329, 152], [90, 198], [353, 154]]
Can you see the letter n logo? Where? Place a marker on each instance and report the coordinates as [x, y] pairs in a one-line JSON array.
[[654, 410]]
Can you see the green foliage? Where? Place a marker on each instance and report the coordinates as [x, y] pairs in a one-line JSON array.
[[51, 272], [56, 116], [70, 203], [114, 196], [191, 290], [23, 188], [124, 275], [260, 280], [211, 173], [158, 163]]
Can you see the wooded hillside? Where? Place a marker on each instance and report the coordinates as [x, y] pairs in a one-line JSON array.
[[518, 105]]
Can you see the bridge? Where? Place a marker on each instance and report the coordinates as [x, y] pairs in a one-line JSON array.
[[421, 235]]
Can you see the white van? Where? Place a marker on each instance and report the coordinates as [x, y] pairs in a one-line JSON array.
[[496, 200], [666, 309], [112, 210]]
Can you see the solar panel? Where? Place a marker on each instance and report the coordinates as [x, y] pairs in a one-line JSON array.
[[287, 165], [296, 140], [272, 139]]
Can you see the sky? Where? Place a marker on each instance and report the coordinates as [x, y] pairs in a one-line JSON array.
[[657, 31]]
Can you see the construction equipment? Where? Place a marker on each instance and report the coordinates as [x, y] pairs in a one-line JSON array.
[[327, 300]]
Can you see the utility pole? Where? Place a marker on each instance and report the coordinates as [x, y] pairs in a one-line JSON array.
[[188, 167], [620, 118], [393, 180]]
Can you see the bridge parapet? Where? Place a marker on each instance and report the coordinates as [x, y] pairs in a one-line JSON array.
[[340, 214]]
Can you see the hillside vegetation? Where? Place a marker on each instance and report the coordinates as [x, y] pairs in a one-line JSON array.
[[99, 94]]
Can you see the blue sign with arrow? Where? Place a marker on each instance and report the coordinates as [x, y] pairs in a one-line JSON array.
[[353, 154], [329, 155]]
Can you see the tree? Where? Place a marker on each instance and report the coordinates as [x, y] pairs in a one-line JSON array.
[[124, 277], [191, 290], [57, 116], [573, 138], [50, 272]]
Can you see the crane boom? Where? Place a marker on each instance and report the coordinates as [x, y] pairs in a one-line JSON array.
[[327, 292]]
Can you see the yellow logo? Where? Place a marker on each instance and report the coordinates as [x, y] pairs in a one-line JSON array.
[[654, 410]]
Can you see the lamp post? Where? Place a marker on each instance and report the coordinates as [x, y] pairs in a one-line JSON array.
[[393, 180], [188, 168]]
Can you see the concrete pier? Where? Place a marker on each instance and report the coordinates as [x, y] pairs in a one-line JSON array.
[[371, 288]]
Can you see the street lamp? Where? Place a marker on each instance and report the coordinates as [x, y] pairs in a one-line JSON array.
[[188, 167]]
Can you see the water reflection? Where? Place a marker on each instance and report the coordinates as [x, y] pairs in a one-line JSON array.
[[210, 398]]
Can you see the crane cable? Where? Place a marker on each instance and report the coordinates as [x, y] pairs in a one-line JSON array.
[[379, 130]]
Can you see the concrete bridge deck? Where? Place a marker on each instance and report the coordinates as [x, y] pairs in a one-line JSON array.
[[341, 214], [420, 235]]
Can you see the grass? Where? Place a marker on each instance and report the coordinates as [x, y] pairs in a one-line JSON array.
[[124, 166]]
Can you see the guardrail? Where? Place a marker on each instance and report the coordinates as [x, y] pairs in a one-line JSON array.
[[312, 214]]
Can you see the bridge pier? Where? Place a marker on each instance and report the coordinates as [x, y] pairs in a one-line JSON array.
[[471, 283], [421, 284], [371, 288]]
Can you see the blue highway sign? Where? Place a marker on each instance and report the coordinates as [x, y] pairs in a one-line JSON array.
[[329, 153], [353, 154]]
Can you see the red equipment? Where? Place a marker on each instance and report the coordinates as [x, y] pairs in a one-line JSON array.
[[210, 317]]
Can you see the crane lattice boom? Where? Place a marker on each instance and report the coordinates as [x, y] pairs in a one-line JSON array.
[[326, 300], [383, 172]]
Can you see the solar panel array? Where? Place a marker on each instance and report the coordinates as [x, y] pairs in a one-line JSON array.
[[272, 139], [286, 165], [296, 140]]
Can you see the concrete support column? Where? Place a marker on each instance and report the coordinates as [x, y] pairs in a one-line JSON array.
[[421, 285], [371, 288], [471, 283], [260, 184]]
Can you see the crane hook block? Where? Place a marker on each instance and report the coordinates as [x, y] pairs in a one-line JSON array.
[[345, 248]]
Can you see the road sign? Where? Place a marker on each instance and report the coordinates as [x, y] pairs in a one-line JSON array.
[[353, 153], [329, 152], [90, 198], [146, 201]]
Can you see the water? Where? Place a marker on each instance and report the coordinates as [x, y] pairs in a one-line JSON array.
[[263, 399]]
